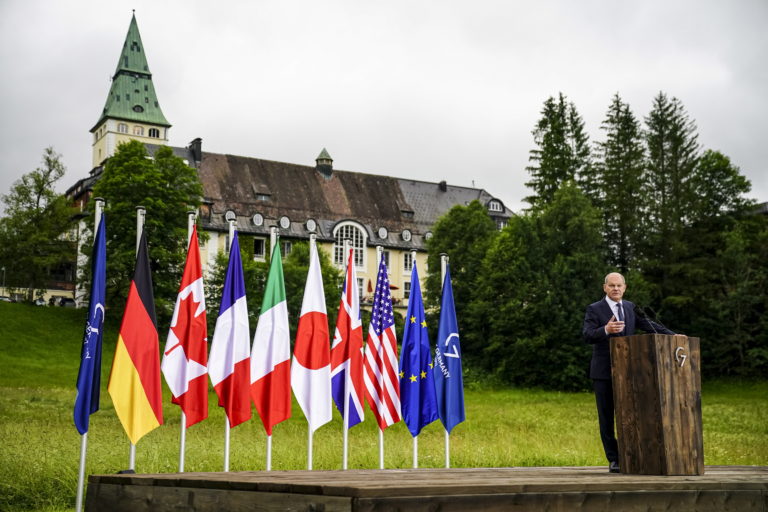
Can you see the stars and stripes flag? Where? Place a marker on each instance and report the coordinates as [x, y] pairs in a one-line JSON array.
[[347, 350], [311, 368], [134, 382], [185, 359], [417, 385], [449, 384], [271, 351], [89, 375], [229, 360], [382, 387]]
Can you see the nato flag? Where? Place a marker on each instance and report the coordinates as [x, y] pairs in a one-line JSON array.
[[449, 384], [89, 377], [417, 387]]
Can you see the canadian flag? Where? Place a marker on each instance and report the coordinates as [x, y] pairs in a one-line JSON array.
[[185, 358]]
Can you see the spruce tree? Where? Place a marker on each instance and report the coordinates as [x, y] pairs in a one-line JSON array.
[[620, 174], [562, 152]]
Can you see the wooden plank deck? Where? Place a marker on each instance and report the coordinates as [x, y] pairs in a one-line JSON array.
[[720, 488]]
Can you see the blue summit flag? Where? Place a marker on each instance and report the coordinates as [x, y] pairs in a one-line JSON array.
[[417, 386], [89, 376], [449, 385]]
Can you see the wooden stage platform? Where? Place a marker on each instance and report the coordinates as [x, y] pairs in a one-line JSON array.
[[721, 488]]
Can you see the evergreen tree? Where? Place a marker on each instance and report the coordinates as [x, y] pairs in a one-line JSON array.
[[672, 148], [620, 174], [33, 233], [464, 234], [537, 279], [168, 189], [562, 152]]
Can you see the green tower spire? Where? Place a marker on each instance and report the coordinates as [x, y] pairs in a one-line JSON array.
[[132, 95]]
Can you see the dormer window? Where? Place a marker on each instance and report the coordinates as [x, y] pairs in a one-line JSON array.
[[495, 206], [138, 108], [262, 197]]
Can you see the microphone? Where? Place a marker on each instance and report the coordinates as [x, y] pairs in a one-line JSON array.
[[641, 313]]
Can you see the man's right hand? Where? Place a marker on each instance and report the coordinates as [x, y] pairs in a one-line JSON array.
[[614, 326]]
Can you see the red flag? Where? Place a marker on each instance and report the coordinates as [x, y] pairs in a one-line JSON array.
[[185, 360]]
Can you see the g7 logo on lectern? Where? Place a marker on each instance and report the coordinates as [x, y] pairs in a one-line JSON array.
[[680, 357]]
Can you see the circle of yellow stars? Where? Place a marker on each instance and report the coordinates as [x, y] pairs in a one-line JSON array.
[[423, 375]]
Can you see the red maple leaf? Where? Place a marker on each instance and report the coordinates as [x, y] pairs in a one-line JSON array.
[[191, 331]]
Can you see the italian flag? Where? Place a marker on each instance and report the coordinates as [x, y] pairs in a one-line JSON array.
[[271, 351]]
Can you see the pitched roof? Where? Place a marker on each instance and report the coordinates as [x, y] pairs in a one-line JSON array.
[[132, 94], [275, 189]]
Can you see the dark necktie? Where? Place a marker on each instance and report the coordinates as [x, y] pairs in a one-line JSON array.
[[620, 309]]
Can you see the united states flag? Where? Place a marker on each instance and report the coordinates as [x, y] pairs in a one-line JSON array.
[[381, 369]]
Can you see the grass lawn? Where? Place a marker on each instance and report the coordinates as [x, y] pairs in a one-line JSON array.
[[39, 357]]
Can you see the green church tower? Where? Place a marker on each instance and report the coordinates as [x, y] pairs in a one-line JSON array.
[[132, 110]]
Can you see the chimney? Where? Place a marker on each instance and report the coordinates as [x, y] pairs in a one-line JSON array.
[[324, 163], [196, 147], [443, 186]]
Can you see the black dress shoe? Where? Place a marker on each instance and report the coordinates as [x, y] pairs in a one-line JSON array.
[[613, 467]]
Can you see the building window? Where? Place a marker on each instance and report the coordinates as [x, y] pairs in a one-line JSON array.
[[385, 257], [154, 132], [258, 249], [138, 130], [286, 248], [501, 224], [495, 206], [122, 128], [360, 287], [407, 262], [407, 290], [356, 235]]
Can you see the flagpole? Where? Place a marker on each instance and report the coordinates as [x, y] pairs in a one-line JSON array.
[[443, 265], [312, 247], [269, 452], [226, 443], [379, 255], [141, 213], [183, 421], [415, 452], [347, 380], [84, 438], [227, 428]]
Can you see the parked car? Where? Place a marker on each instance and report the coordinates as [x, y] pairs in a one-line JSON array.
[[39, 301], [67, 302], [5, 298]]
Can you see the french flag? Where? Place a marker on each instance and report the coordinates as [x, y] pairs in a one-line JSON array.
[[347, 351], [229, 360]]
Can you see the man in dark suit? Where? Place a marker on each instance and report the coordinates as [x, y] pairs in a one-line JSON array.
[[607, 318]]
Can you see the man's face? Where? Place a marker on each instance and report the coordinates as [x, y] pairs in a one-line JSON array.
[[614, 287]]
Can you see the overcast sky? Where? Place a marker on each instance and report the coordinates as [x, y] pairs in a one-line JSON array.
[[431, 90]]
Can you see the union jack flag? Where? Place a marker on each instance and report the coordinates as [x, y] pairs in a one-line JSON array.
[[382, 386], [347, 351]]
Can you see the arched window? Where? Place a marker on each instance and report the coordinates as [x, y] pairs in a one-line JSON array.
[[138, 130], [154, 132], [354, 232], [122, 128]]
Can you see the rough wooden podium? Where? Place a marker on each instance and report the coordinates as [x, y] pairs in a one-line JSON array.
[[657, 396]]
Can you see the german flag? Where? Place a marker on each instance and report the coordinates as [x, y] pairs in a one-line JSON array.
[[134, 383]]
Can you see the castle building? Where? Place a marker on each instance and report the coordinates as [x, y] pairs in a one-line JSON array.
[[372, 210]]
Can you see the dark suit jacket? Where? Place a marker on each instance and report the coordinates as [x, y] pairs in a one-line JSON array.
[[597, 316]]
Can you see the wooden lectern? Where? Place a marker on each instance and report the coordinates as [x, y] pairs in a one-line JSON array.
[[657, 396]]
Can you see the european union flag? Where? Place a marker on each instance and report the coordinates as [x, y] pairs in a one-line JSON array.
[[449, 384], [89, 376], [417, 386]]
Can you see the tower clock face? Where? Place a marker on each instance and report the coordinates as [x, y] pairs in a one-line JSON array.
[[285, 222], [383, 232], [311, 225]]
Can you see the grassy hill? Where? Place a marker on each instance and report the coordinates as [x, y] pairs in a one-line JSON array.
[[39, 358]]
